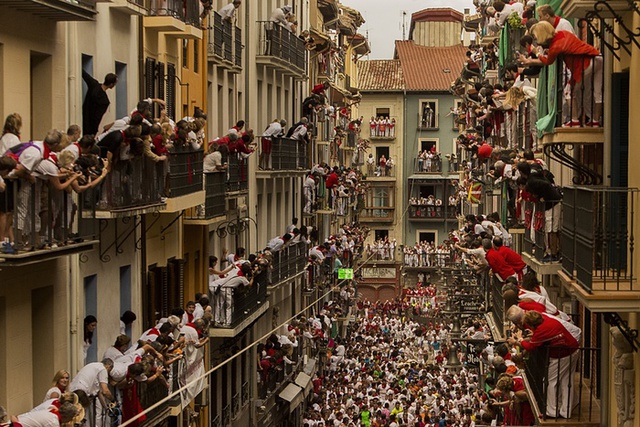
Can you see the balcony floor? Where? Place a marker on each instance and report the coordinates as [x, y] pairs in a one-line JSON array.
[[39, 255], [600, 300], [581, 416]]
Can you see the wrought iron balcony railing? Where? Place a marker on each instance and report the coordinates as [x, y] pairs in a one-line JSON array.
[[282, 154], [598, 237], [278, 42], [288, 261], [214, 204], [383, 128], [186, 11]]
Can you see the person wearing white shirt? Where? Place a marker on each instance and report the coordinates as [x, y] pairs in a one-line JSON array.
[[275, 129], [546, 13], [117, 350], [507, 10], [228, 12]]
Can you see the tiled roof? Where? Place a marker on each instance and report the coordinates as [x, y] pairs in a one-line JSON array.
[[380, 75], [430, 68], [439, 14]]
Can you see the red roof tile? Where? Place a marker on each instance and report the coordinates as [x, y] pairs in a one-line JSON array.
[[380, 75], [430, 68]]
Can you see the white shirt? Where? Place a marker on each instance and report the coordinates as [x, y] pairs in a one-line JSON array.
[[42, 418], [274, 129], [32, 156], [89, 378], [299, 133], [121, 366], [7, 141], [228, 11], [276, 243], [564, 25], [508, 11], [112, 353]]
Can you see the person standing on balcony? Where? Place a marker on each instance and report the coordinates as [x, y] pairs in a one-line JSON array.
[[309, 189], [585, 63], [96, 102], [280, 15], [563, 341], [274, 130], [228, 12], [546, 13]]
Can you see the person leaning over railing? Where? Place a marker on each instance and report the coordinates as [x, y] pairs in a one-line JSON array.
[[562, 340], [583, 60]]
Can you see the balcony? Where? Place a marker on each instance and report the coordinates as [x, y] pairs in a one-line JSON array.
[[225, 44], [283, 155], [428, 163], [288, 262], [281, 49], [427, 259], [55, 10], [237, 176], [382, 129], [597, 247], [424, 212], [581, 8], [214, 207], [583, 381], [538, 250], [150, 393], [377, 214], [58, 232], [131, 7], [249, 303], [329, 10], [184, 188], [175, 18]]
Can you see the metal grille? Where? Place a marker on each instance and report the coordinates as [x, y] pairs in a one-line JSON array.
[[170, 98]]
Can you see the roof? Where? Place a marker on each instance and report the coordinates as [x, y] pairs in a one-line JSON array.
[[430, 68], [443, 14], [380, 75]]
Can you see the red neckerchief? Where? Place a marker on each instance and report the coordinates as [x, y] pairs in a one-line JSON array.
[[556, 21], [190, 324], [154, 331], [189, 317], [55, 411], [47, 152]]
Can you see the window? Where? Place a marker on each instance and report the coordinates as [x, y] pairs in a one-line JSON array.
[[185, 53], [382, 150], [429, 144], [381, 234], [427, 236], [427, 190], [456, 113], [196, 55], [122, 107], [382, 112], [380, 196], [428, 114]]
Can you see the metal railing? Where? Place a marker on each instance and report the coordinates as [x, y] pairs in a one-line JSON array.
[[542, 226], [382, 128], [377, 213], [46, 218], [558, 384], [233, 305], [187, 12], [288, 261], [277, 41], [579, 96], [132, 183], [283, 154], [216, 39], [425, 259], [237, 174], [214, 202], [597, 236], [185, 171], [425, 164], [432, 212]]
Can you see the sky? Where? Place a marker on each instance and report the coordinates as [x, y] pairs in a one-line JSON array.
[[384, 19]]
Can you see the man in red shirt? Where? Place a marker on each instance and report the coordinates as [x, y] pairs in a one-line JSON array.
[[330, 183], [510, 256], [562, 339], [498, 265]]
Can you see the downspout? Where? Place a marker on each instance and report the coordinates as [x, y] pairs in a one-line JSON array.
[[404, 160]]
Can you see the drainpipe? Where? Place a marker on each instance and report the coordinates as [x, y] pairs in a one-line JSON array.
[[404, 160]]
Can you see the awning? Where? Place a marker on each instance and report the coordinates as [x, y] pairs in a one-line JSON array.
[[304, 381], [310, 367], [292, 394], [321, 41], [337, 90]]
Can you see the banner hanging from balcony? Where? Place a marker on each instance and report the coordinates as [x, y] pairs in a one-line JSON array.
[[191, 368], [475, 192]]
